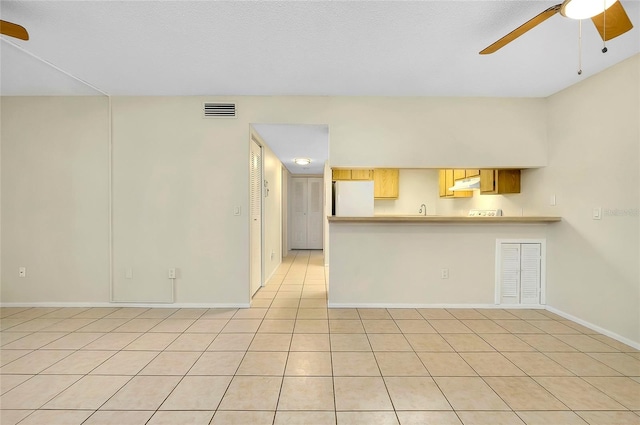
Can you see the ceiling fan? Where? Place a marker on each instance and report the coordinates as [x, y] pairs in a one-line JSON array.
[[13, 30], [609, 17]]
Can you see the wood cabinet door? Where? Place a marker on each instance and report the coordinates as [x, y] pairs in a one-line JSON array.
[[507, 181], [499, 181], [459, 174], [341, 174], [472, 173], [448, 182], [361, 174], [487, 181], [386, 183], [442, 184]]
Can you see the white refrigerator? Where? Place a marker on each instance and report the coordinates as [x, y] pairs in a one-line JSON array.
[[353, 198]]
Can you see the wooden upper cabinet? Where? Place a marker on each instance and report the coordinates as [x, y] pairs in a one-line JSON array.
[[337, 174], [386, 183], [447, 179], [487, 181], [494, 182], [361, 174], [442, 183], [472, 173], [459, 174]]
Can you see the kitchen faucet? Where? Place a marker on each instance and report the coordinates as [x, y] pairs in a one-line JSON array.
[[423, 209]]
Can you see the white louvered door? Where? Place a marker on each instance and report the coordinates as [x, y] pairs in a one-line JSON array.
[[530, 273], [306, 213], [510, 273], [255, 212], [520, 273]]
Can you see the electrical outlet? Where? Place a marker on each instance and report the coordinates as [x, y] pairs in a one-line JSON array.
[[22, 272], [552, 200], [444, 274], [128, 273], [172, 273]]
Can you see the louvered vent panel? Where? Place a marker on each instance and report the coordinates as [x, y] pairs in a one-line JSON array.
[[530, 274], [510, 271], [219, 110]]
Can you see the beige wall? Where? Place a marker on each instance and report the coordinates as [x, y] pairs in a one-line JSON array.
[[437, 132], [55, 199], [594, 151], [400, 264], [177, 178], [272, 212], [594, 146]]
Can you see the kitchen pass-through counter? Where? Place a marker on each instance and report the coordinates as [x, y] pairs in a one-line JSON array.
[[397, 261], [443, 219]]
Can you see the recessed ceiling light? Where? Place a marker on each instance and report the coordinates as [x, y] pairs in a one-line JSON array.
[[302, 161]]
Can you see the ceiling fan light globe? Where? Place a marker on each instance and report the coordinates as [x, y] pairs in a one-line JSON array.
[[584, 9]]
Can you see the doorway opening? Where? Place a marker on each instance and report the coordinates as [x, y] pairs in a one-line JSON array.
[[294, 203]]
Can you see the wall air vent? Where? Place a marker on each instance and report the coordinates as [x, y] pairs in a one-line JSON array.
[[219, 110]]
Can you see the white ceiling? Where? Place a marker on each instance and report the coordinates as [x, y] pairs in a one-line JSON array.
[[364, 48], [388, 48], [297, 141]]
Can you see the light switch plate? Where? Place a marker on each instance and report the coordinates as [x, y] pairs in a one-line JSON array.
[[597, 213]]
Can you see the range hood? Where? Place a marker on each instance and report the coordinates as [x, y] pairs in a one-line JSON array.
[[466, 184]]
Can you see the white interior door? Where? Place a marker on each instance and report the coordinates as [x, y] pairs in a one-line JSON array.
[[307, 213], [299, 203], [255, 233], [314, 213]]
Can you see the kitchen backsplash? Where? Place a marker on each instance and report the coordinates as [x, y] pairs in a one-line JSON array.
[[420, 186]]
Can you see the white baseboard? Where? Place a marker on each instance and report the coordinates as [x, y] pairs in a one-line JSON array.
[[275, 269], [596, 328], [127, 304], [402, 305]]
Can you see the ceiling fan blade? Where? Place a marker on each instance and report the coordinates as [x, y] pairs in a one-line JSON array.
[[530, 24], [617, 22], [13, 30]]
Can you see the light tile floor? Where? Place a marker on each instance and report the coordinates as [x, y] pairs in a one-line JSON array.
[[290, 360]]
